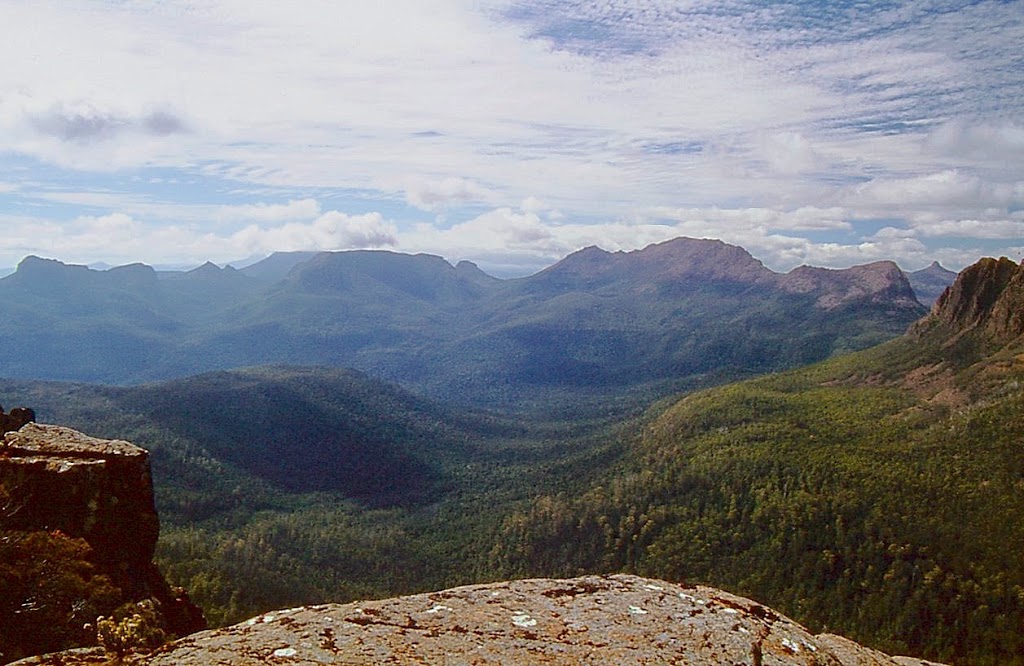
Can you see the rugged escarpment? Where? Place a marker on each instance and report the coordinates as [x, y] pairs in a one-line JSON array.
[[676, 313], [616, 619], [988, 298], [99, 490], [87, 504]]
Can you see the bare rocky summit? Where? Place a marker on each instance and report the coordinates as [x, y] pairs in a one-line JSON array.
[[987, 296], [619, 619]]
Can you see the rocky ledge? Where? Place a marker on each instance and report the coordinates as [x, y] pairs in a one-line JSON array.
[[595, 620], [96, 489], [60, 482]]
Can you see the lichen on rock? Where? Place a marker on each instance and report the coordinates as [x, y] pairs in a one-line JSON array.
[[619, 619]]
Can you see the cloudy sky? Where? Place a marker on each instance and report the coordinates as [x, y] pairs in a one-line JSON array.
[[511, 133]]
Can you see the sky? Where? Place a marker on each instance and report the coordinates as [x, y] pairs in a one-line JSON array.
[[513, 133]]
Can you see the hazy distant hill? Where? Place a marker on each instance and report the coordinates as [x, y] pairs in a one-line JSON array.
[[671, 315], [279, 485], [929, 283]]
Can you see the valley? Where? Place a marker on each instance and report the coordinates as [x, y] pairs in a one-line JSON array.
[[872, 494]]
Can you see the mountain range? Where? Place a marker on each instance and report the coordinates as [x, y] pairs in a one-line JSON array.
[[674, 315], [874, 493]]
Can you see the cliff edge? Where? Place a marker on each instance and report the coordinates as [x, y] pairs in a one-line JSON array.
[[987, 297], [78, 529]]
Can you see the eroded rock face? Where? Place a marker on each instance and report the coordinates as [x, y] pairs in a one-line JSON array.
[[881, 282], [17, 418], [987, 296], [595, 620], [96, 489], [55, 479]]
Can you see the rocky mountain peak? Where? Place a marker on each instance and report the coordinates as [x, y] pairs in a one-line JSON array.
[[987, 297], [705, 258], [878, 282], [930, 282], [679, 259]]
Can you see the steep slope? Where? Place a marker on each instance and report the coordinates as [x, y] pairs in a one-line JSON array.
[[70, 322], [876, 493], [595, 323], [985, 301], [297, 429], [275, 267], [78, 531], [279, 486], [853, 494]]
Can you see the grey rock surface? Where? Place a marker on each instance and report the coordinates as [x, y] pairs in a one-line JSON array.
[[619, 619]]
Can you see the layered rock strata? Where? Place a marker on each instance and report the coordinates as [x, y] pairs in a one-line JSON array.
[[56, 479]]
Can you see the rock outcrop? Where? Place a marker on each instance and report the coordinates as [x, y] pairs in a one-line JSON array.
[[987, 299], [881, 282], [18, 417], [99, 490], [595, 620], [684, 260], [56, 480]]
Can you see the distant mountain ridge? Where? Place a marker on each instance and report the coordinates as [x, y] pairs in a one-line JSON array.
[[930, 282], [598, 321]]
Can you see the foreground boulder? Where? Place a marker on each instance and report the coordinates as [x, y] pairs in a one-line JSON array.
[[598, 620], [78, 529]]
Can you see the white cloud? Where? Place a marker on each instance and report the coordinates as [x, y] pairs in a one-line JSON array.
[[806, 218], [331, 231], [976, 229], [945, 188], [764, 125], [788, 152], [120, 238], [434, 195], [979, 141]]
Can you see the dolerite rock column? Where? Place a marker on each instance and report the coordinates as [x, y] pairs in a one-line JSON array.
[[98, 490]]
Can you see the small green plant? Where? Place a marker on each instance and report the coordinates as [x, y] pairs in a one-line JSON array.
[[132, 628]]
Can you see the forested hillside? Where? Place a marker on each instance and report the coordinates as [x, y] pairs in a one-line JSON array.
[[280, 486], [878, 495]]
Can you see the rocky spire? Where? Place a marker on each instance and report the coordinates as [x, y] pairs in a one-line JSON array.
[[987, 298]]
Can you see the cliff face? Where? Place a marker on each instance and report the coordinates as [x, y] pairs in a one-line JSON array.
[[881, 282], [98, 490], [67, 486], [986, 300], [929, 283], [987, 296], [590, 620]]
